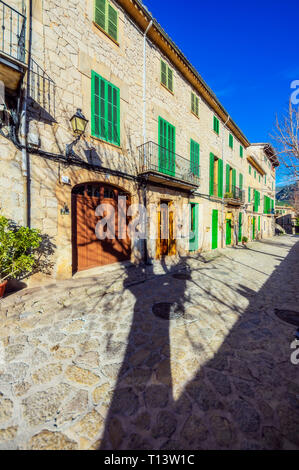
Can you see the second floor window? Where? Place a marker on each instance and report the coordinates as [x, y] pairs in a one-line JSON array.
[[241, 151], [106, 17], [105, 110], [166, 76], [231, 141]]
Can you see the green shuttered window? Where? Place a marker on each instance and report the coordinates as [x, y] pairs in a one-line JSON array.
[[231, 141], [166, 76], [216, 187], [194, 157], [166, 147], [216, 125], [241, 181], [105, 109], [194, 104], [241, 151], [106, 17]]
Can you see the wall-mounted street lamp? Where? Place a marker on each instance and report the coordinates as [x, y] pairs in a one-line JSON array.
[[79, 123]]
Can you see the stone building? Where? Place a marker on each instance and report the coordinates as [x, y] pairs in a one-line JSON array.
[[285, 216], [156, 136]]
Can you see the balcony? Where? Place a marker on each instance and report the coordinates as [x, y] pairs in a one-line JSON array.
[[160, 165], [235, 196], [12, 46]]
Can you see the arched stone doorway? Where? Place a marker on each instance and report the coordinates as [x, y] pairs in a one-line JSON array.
[[88, 251]]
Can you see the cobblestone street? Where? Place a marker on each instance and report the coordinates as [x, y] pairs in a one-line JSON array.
[[89, 364]]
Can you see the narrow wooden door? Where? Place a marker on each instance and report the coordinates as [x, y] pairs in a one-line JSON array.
[[193, 241], [240, 227], [253, 228], [228, 232]]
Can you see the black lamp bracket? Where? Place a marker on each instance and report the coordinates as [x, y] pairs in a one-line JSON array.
[[69, 152]]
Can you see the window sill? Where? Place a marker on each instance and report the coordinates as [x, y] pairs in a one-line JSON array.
[[165, 87], [194, 114], [106, 34], [105, 142]]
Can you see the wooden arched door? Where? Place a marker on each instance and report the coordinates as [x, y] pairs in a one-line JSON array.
[[88, 250]]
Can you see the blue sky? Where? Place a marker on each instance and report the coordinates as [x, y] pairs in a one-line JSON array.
[[246, 51]]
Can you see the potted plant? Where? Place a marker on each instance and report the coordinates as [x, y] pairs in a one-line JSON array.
[[229, 195], [244, 240], [18, 246]]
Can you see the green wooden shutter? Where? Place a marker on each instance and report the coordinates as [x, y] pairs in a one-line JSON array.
[[109, 113], [166, 147], [192, 102], [234, 179], [211, 174], [100, 13], [112, 22], [170, 79], [216, 125], [231, 141], [163, 73], [116, 115], [241, 151], [194, 157], [259, 223], [220, 177], [214, 229], [227, 178], [98, 107], [241, 181], [249, 195]]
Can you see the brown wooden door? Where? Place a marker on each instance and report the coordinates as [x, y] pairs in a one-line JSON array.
[[88, 250], [166, 244]]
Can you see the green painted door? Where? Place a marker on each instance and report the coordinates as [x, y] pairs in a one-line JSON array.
[[214, 229], [228, 232], [166, 147], [253, 228], [193, 241], [240, 227]]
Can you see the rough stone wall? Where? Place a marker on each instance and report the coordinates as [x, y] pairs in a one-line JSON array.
[[66, 47]]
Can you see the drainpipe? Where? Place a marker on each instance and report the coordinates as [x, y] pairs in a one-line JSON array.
[[224, 184], [24, 127], [144, 82], [144, 135]]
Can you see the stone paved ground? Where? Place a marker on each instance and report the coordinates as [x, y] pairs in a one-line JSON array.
[[86, 365]]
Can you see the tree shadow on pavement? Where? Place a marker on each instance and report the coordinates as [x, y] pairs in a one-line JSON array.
[[236, 390]]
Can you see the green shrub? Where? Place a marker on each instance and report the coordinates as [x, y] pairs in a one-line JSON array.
[[244, 239], [18, 249], [229, 195]]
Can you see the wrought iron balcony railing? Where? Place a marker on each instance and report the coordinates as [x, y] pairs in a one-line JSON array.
[[235, 193], [155, 158], [13, 30]]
